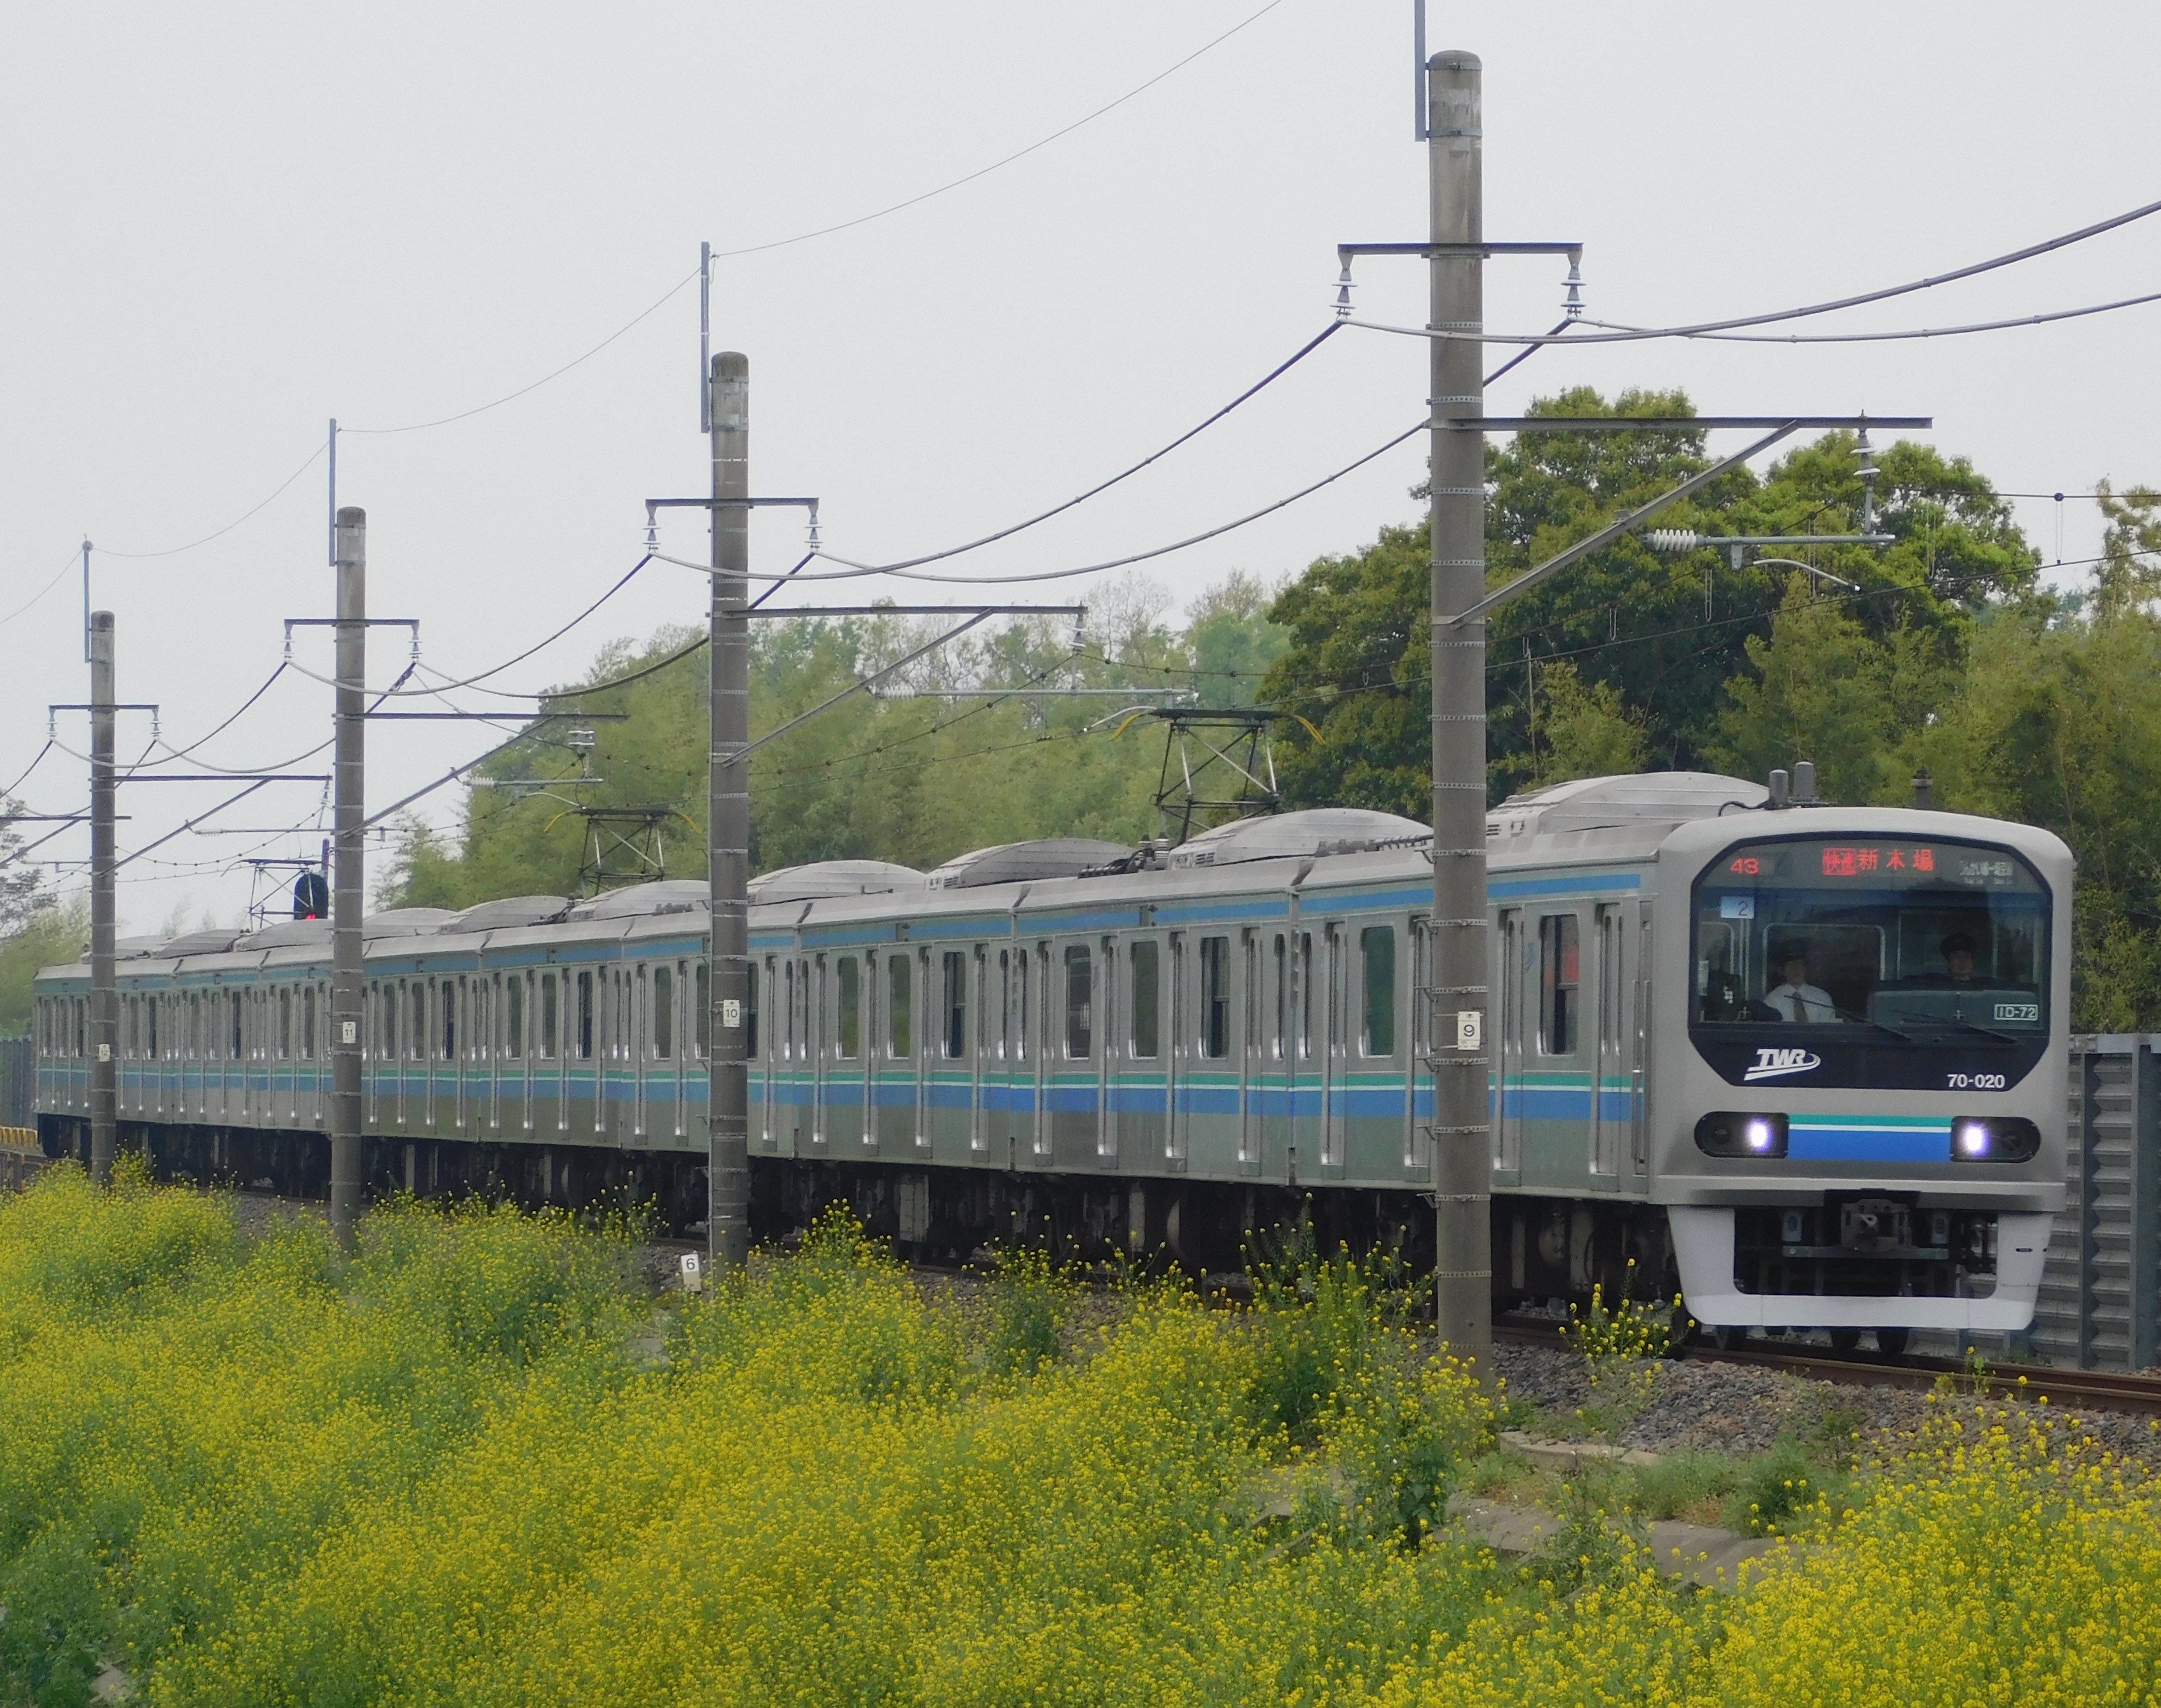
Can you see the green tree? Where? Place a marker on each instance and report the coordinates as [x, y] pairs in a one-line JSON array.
[[1666, 634], [1582, 729], [55, 934]]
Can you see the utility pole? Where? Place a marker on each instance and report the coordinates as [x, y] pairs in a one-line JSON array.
[[104, 854], [1462, 1134], [350, 809], [727, 1092]]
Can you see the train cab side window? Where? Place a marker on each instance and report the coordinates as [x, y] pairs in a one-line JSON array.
[[954, 1043], [582, 1017], [1145, 959], [1559, 972], [848, 979], [664, 1012], [1215, 996], [1079, 1002], [899, 1013], [1376, 951]]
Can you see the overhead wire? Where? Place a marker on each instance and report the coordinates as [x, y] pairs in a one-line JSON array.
[[1704, 328], [1251, 392], [1908, 334], [314, 457], [71, 560], [1018, 154]]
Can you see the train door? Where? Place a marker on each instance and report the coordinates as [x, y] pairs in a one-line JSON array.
[[1250, 1061], [1565, 1095], [1509, 1007], [1177, 1061], [1041, 1041], [1336, 1045], [980, 1065], [1142, 1050], [1106, 1040], [1417, 1149], [1610, 1084], [1639, 1026]]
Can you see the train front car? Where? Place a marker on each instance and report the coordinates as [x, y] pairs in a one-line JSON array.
[[1859, 1067]]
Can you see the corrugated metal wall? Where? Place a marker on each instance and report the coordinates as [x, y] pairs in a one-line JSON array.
[[2100, 1295], [18, 1082]]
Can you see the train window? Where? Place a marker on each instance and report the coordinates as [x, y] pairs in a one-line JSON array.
[[955, 1041], [1377, 950], [480, 1035], [899, 1015], [1305, 1004], [788, 1011], [1079, 1002], [1147, 959], [450, 1017], [545, 1046], [151, 1018], [284, 1041], [1559, 971], [583, 1015], [623, 1010], [514, 1018], [701, 1000], [1283, 997], [234, 1039], [1023, 962], [307, 1024], [1005, 1004], [664, 1012], [848, 979], [1215, 996]]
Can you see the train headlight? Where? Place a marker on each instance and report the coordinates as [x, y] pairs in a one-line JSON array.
[[1730, 1133], [1994, 1138]]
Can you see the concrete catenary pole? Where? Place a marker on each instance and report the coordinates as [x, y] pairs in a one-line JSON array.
[[347, 874], [727, 1107], [104, 1002], [1462, 1131]]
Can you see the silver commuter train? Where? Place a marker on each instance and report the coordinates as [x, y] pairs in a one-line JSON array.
[[1808, 1065]]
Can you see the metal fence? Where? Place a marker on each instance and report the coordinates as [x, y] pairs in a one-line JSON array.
[[18, 1082], [2100, 1307]]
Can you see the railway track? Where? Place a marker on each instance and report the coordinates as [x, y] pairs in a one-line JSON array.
[[2104, 1390]]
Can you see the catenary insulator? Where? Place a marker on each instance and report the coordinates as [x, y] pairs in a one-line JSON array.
[[1673, 539]]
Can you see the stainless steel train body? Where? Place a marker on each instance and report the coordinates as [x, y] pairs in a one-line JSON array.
[[1191, 1045]]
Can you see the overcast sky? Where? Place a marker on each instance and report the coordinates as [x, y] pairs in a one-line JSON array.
[[224, 225]]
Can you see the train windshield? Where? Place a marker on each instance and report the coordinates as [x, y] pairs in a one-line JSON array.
[[1841, 961]]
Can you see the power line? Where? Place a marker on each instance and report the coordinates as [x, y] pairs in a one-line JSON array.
[[1007, 160], [72, 560], [2016, 322], [1703, 329], [520, 657], [1251, 391], [313, 456]]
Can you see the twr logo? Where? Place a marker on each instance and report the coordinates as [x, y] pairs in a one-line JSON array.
[[1777, 1064]]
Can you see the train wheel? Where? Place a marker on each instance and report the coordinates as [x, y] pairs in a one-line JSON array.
[[1892, 1342], [1845, 1340]]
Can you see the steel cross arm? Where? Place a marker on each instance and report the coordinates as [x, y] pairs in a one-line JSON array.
[[1467, 251], [1672, 424], [922, 611], [1613, 530], [191, 823], [725, 503], [954, 633], [292, 622], [118, 705]]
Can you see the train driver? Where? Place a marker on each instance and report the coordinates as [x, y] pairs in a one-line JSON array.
[[1793, 998], [1958, 953]]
